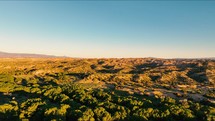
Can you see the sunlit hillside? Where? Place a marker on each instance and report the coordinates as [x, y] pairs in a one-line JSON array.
[[65, 89]]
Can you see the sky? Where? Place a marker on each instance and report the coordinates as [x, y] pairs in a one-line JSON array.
[[110, 29]]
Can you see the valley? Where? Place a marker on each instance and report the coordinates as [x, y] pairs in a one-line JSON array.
[[78, 86]]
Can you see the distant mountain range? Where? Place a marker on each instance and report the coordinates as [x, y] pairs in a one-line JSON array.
[[28, 55], [206, 58], [25, 55]]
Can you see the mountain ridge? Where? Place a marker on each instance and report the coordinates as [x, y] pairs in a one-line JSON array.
[[35, 55], [26, 55]]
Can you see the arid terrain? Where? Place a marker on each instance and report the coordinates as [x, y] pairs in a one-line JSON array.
[[160, 82]]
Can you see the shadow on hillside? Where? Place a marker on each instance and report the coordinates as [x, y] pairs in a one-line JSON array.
[[196, 72], [93, 66], [108, 67], [79, 75], [140, 69], [109, 70], [5, 98]]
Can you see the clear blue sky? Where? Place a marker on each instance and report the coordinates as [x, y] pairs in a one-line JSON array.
[[109, 29]]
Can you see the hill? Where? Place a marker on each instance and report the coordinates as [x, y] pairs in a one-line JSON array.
[[24, 55], [74, 89]]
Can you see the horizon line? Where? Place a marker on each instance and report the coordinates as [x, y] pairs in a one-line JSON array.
[[65, 56]]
